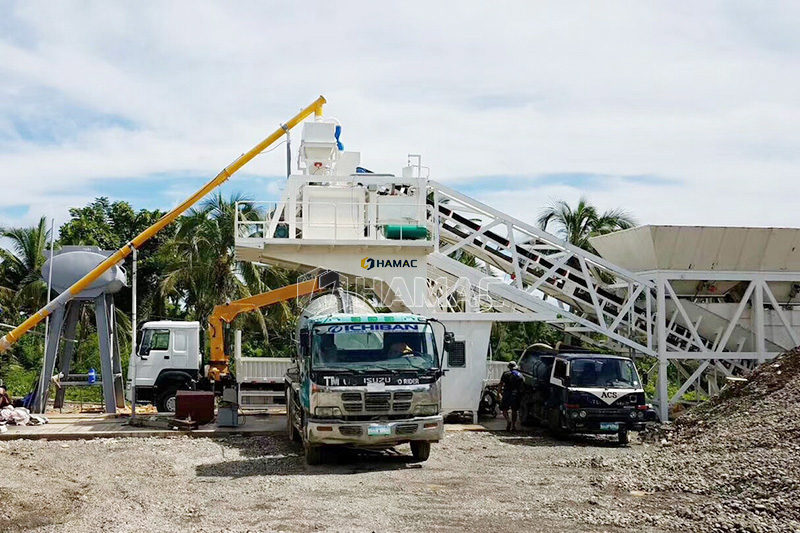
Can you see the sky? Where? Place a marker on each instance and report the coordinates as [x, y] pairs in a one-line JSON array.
[[679, 112]]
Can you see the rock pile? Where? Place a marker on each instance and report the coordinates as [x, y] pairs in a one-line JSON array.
[[734, 462]]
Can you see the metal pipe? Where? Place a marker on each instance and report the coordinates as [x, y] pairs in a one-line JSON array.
[[132, 361], [13, 336], [44, 381], [288, 154]]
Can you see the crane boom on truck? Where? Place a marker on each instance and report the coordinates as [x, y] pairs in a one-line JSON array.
[[219, 361], [86, 281]]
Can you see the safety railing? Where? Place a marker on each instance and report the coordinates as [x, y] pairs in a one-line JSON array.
[[395, 221]]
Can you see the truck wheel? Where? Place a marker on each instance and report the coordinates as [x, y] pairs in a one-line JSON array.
[[623, 438], [555, 425], [167, 400], [420, 449], [313, 455], [525, 417]]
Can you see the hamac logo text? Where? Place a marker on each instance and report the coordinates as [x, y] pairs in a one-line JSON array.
[[369, 263]]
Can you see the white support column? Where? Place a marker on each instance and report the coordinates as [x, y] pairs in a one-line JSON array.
[[649, 315], [436, 220], [758, 319], [663, 362]]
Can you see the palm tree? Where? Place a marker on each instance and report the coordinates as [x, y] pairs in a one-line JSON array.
[[577, 225], [203, 271], [21, 282]]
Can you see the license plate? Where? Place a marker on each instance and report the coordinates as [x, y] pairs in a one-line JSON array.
[[609, 426], [379, 431]]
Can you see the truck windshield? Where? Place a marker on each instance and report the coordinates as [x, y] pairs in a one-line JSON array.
[[610, 373], [374, 346]]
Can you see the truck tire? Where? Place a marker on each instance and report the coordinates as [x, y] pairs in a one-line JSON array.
[[313, 455], [623, 438], [525, 417], [421, 450], [167, 400], [555, 425]]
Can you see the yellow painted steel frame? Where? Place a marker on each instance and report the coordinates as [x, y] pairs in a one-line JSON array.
[[218, 367], [13, 336]]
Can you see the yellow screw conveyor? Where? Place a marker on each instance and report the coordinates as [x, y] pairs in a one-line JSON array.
[[14, 335]]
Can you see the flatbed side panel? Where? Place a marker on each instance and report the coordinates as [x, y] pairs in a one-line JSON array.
[[262, 369]]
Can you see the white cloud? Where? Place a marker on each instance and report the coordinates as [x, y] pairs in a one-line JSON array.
[[707, 94]]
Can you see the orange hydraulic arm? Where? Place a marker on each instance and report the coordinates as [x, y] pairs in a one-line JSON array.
[[80, 285], [219, 362]]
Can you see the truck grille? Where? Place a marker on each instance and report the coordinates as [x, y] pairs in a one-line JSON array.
[[350, 431], [608, 414], [351, 401], [355, 402], [377, 401], [405, 429]]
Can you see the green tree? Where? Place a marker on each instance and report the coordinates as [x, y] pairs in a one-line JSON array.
[[203, 272], [22, 292], [21, 268], [110, 225], [509, 339], [576, 225]]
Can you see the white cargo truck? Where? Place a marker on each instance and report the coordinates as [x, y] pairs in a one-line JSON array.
[[169, 359]]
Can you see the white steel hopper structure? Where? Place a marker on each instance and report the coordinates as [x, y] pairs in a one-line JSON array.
[[733, 290], [424, 247]]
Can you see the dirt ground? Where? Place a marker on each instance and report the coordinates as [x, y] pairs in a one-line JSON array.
[[472, 482]]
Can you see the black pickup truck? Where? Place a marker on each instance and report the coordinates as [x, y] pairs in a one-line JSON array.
[[586, 393]]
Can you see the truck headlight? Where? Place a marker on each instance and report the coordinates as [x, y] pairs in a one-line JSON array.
[[428, 409], [633, 414], [327, 412]]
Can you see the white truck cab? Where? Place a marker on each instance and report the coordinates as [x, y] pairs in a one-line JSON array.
[[168, 359]]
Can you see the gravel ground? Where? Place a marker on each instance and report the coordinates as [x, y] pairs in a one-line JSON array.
[[472, 482], [738, 454], [730, 465]]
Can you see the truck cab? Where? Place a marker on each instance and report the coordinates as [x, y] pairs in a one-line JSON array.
[[585, 393], [370, 380], [168, 359]]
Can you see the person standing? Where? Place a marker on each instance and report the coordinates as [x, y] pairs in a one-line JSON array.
[[511, 394]]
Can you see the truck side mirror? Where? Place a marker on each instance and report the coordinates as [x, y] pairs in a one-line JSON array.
[[645, 379], [449, 339], [566, 381], [305, 341]]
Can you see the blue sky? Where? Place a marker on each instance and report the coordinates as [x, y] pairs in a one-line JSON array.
[[681, 112]]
